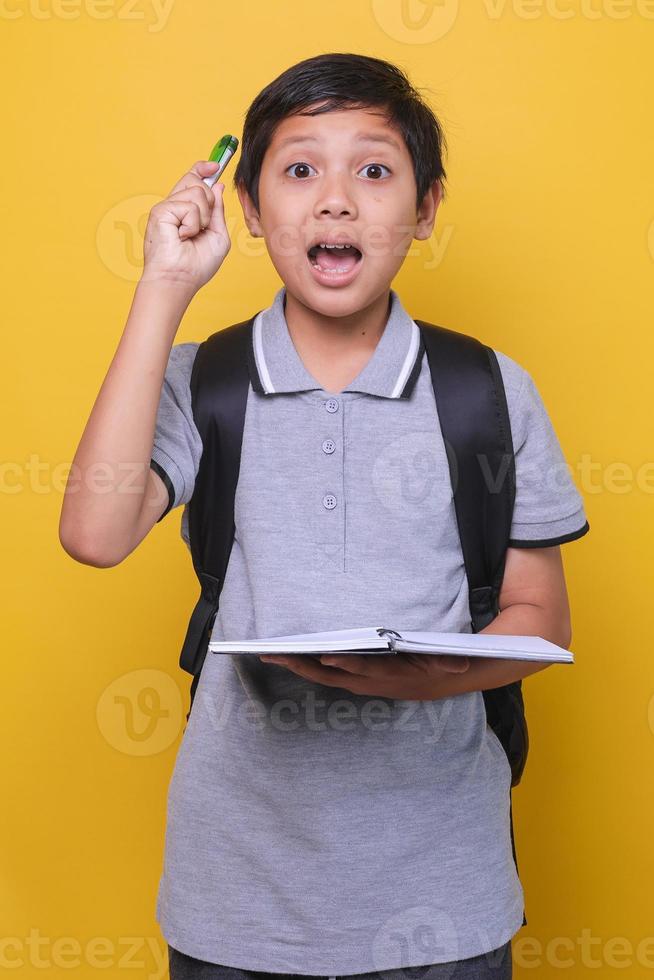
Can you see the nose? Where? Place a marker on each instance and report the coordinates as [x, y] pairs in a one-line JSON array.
[[335, 198]]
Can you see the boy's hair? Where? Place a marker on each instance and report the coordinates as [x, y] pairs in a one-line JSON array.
[[343, 81]]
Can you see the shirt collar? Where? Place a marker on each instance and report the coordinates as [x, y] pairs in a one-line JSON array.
[[392, 370]]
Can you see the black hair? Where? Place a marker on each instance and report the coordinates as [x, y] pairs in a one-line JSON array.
[[343, 81]]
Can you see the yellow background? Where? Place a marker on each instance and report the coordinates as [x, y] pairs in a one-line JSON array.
[[546, 252]]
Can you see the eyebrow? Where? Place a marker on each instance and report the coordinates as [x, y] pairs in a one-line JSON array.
[[359, 138]]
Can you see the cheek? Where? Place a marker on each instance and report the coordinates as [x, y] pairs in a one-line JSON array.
[[284, 237], [389, 236]]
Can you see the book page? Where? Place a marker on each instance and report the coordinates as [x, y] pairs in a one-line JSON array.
[[359, 639], [486, 644]]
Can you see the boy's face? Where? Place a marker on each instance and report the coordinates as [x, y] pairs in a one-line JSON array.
[[336, 178]]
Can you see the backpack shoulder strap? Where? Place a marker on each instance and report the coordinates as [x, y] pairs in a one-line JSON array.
[[219, 390], [474, 421]]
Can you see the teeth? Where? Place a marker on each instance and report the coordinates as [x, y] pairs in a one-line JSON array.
[[335, 246]]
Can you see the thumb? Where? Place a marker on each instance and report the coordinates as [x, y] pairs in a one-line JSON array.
[[205, 168]]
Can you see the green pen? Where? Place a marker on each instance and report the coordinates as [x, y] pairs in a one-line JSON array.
[[221, 154]]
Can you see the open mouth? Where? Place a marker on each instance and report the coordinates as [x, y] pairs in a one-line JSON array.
[[335, 260]]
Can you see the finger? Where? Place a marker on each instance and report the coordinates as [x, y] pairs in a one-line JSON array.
[[200, 195], [453, 664], [174, 216], [311, 669], [191, 189], [194, 176], [357, 663], [191, 222]]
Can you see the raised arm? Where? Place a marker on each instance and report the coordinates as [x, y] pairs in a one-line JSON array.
[[113, 497]]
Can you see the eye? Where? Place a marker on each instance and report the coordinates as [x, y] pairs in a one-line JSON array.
[[376, 166], [306, 166], [293, 165]]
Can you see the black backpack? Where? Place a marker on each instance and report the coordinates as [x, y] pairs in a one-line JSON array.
[[474, 421]]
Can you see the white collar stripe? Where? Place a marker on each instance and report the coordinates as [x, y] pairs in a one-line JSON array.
[[262, 367], [409, 361]]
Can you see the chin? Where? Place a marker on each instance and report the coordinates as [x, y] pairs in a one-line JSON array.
[[335, 301], [331, 302]]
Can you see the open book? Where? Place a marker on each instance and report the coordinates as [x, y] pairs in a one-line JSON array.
[[377, 639]]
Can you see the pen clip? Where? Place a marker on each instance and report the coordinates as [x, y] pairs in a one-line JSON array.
[[392, 636]]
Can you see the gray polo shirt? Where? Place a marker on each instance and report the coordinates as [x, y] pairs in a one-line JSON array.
[[310, 830]]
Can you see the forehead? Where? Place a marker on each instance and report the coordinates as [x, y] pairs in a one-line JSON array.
[[360, 127]]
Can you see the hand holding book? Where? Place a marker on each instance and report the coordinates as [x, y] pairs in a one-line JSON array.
[[381, 640], [411, 665]]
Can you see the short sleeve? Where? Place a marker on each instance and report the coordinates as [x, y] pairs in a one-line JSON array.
[[177, 444], [549, 509]]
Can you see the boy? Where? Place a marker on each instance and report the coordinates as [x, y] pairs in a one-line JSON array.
[[344, 816]]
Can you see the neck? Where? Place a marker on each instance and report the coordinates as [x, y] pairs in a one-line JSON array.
[[344, 338], [335, 350]]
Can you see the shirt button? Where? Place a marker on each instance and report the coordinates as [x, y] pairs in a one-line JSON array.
[[329, 501], [331, 405], [328, 446]]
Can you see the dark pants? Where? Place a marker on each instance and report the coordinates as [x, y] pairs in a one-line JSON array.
[[495, 965]]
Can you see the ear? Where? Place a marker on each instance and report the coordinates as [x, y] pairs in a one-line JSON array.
[[427, 212], [250, 213]]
